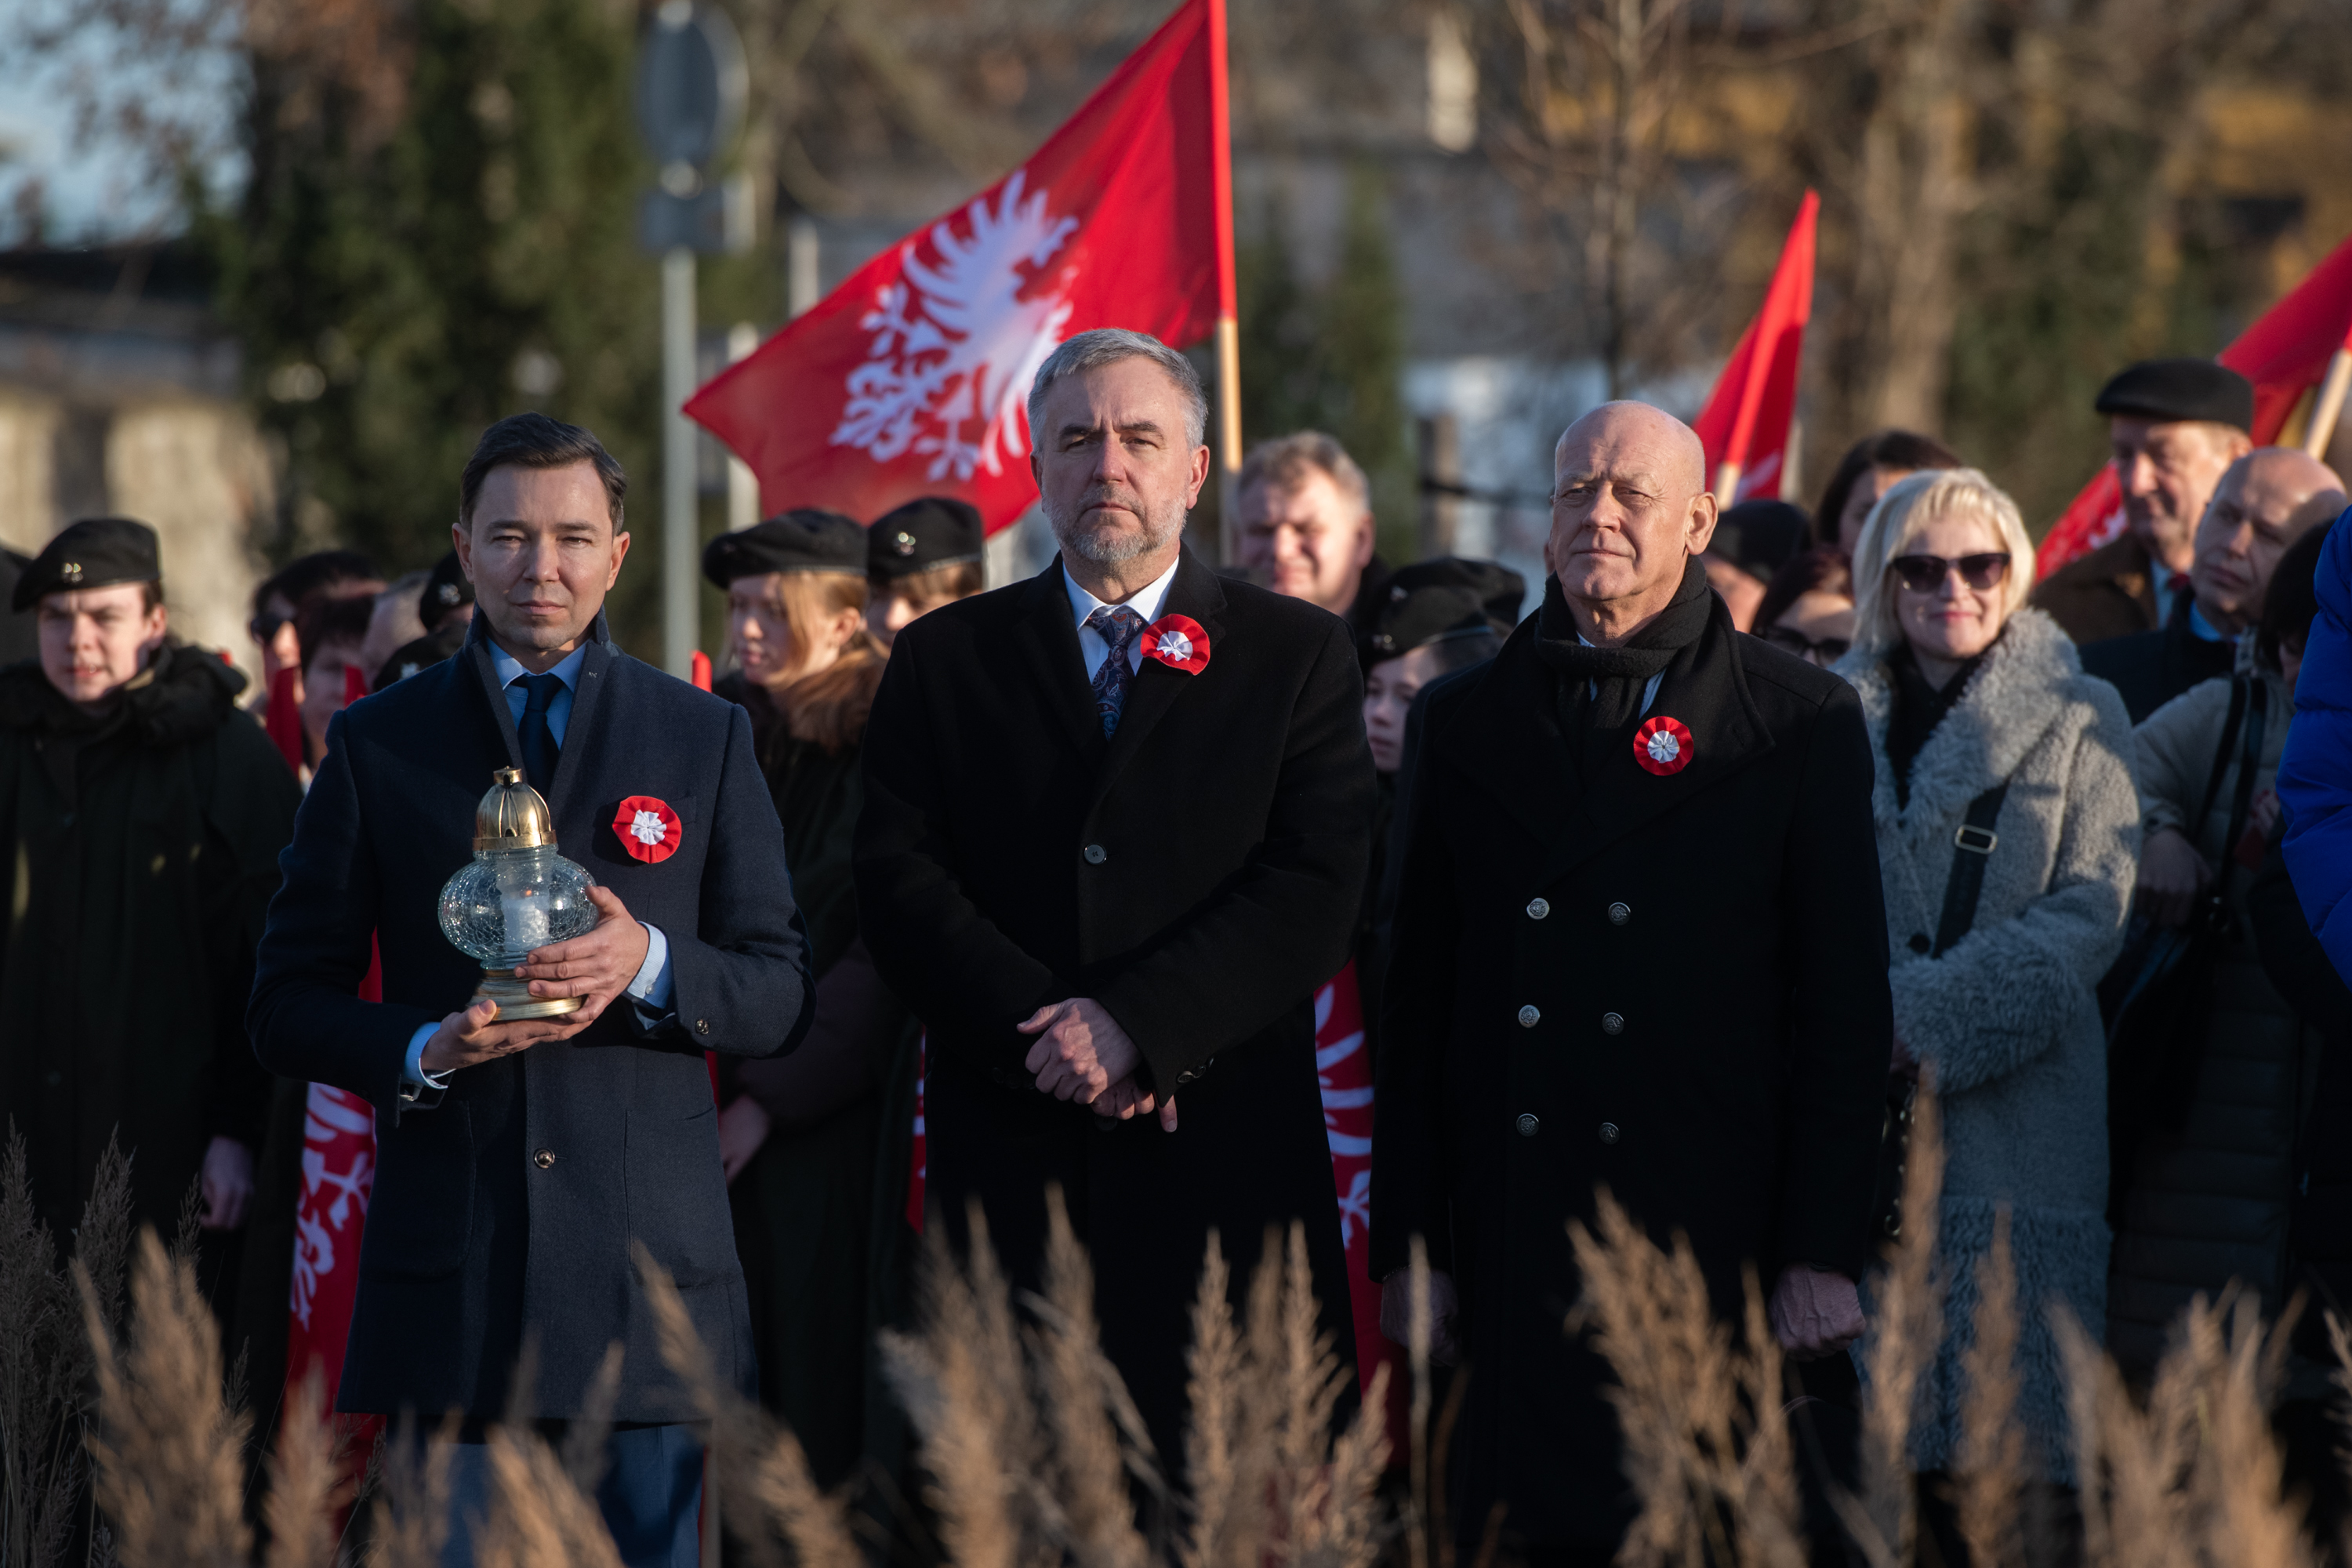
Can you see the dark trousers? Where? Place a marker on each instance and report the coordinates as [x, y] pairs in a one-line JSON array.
[[651, 1496]]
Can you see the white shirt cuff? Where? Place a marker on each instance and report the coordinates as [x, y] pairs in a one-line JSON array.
[[413, 1070], [651, 989]]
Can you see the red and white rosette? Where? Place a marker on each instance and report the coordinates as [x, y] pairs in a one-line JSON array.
[[648, 829], [1662, 745], [1180, 642]]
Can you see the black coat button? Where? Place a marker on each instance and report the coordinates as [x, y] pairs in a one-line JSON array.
[[1097, 855], [1528, 1017], [1609, 1132], [1538, 908], [1528, 1124], [1620, 913], [544, 1159], [1612, 1023]]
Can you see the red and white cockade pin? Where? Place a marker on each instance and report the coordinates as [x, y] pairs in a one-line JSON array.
[[1180, 642], [1662, 745], [648, 828]]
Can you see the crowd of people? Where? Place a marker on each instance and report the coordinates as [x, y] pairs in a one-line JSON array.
[[942, 899]]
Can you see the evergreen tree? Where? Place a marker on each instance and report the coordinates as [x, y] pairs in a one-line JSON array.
[[1331, 357], [401, 280]]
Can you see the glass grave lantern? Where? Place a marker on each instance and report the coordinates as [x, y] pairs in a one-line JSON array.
[[515, 894]]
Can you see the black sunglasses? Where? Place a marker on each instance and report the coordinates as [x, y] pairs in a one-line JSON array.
[[1926, 574], [1828, 650]]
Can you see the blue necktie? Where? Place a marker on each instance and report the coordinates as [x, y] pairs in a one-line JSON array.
[[539, 747], [1119, 627]]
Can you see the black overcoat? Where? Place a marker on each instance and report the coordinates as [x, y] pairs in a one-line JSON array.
[[509, 1206], [1199, 876], [1670, 986]]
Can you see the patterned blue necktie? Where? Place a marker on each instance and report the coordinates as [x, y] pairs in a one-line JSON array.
[[1119, 627]]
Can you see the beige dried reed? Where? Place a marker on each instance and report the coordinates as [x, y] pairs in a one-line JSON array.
[[1707, 1443], [1081, 1398], [538, 1517], [1906, 1331], [789, 1520], [309, 1482], [1990, 1485], [168, 1451], [410, 1522]]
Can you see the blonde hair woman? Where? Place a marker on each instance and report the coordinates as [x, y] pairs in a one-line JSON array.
[[2000, 763], [801, 1136]]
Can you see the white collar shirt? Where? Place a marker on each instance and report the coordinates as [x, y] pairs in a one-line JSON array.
[[1145, 602]]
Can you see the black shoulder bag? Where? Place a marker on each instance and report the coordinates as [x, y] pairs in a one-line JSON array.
[[2158, 997], [1973, 843]]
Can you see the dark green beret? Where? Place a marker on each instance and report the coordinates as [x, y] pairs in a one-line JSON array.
[[924, 533], [801, 540], [96, 552], [1433, 601]]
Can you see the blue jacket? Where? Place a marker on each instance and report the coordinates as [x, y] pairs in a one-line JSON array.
[[2314, 776], [508, 1208]]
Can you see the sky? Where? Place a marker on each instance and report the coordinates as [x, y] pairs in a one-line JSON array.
[[96, 188]]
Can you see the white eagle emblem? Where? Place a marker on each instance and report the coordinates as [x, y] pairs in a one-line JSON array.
[[955, 346]]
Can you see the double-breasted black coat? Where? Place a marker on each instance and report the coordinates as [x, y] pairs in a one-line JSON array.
[[1674, 986], [510, 1205], [1198, 875]]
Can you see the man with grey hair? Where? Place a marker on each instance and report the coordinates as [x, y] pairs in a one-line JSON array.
[[1116, 825], [1304, 511], [1640, 949]]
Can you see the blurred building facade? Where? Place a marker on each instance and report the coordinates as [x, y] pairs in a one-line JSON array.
[[119, 394]]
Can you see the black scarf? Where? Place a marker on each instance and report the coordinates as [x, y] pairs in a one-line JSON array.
[[1617, 675]]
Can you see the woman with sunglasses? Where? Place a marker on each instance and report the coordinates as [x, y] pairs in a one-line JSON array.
[[2001, 764]]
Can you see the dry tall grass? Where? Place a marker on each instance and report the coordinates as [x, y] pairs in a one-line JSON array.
[[1035, 1457]]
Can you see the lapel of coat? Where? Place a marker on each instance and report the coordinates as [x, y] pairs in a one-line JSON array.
[[586, 710], [1048, 635], [1195, 592], [1506, 738], [1704, 687]]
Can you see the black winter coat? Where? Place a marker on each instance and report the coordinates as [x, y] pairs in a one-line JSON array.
[[1199, 876], [1674, 986], [145, 849], [511, 1203]]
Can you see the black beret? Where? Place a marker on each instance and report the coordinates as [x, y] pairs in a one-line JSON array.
[[446, 591], [1433, 601], [801, 540], [927, 533], [96, 552], [1760, 536], [2181, 389]]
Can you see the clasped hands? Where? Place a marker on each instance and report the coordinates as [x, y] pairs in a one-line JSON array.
[[1082, 1054], [598, 967]]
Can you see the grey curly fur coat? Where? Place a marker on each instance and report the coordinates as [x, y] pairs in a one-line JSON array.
[[2009, 1015]]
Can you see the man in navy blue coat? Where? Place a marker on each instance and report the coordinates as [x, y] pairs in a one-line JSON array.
[[519, 1161]]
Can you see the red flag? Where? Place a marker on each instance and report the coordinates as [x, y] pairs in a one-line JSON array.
[[1745, 424], [910, 379], [2284, 353]]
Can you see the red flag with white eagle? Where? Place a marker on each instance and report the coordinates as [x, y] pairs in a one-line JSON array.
[[1746, 424], [2287, 353], [911, 378]]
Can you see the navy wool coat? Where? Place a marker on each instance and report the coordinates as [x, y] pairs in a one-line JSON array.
[[505, 1212]]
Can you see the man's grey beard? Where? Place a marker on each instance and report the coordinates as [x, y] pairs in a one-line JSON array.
[[1117, 550]]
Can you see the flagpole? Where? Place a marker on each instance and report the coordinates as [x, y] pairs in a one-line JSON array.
[[2330, 406], [1229, 331]]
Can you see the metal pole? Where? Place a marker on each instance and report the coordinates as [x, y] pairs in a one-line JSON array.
[[681, 531], [742, 487], [1229, 439]]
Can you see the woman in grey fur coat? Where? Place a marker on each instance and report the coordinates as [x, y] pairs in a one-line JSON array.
[[1964, 689]]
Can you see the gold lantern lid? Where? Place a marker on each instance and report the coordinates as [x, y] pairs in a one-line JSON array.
[[513, 816]]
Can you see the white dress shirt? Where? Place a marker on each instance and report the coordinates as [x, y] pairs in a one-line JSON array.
[[650, 991], [1145, 602]]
